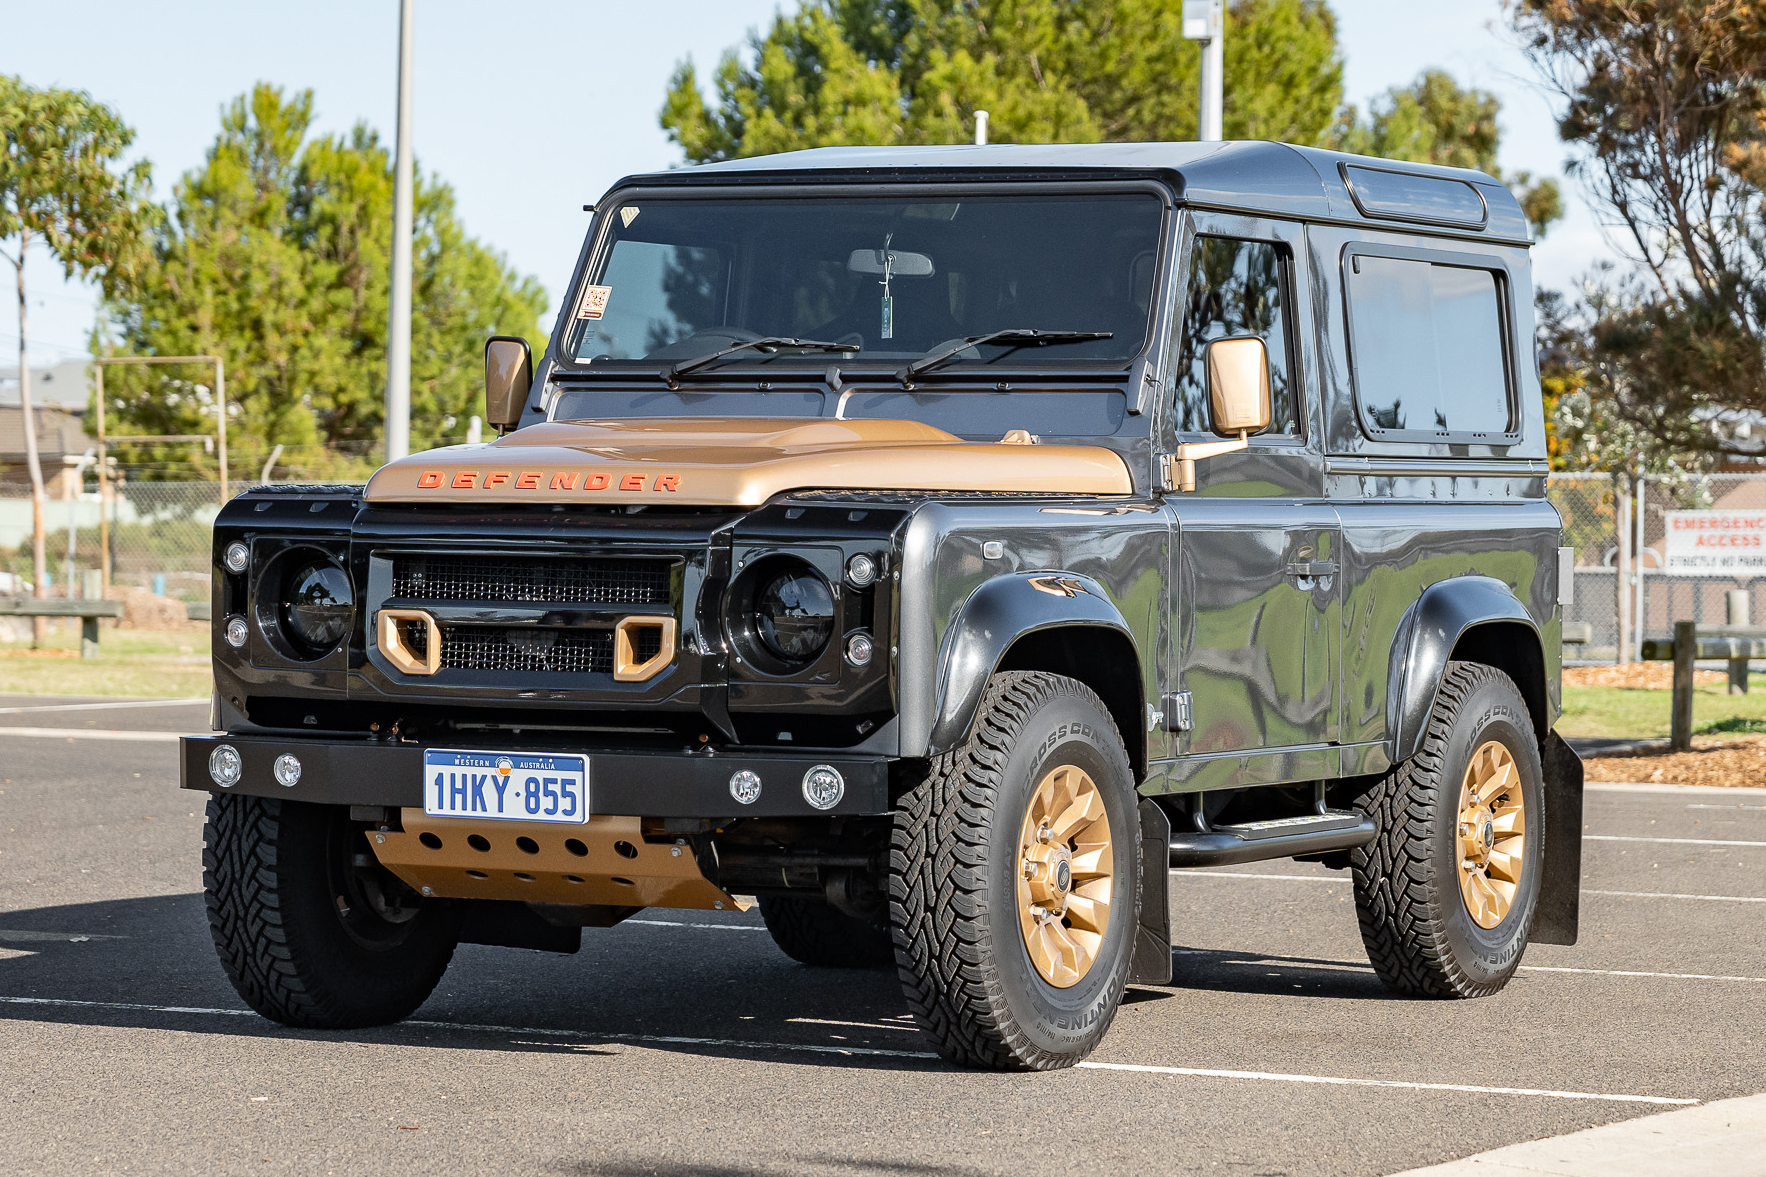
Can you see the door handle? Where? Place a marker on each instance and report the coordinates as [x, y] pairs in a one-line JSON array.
[[1311, 569]]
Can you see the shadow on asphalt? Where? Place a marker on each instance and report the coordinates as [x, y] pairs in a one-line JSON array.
[[648, 985]]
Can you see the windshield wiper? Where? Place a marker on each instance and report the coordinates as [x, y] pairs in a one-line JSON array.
[[1016, 336], [674, 371]]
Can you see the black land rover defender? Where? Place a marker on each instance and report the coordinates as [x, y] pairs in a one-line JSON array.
[[936, 546]]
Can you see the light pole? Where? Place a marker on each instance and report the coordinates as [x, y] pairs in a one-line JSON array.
[[398, 326], [1204, 21]]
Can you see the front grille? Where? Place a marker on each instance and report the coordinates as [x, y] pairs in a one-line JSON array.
[[535, 651], [637, 581]]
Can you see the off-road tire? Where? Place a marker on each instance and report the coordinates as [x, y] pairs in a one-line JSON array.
[[964, 967], [1419, 936], [822, 936], [269, 873]]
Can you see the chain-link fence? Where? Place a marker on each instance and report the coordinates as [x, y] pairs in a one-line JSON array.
[[1591, 507], [158, 534]]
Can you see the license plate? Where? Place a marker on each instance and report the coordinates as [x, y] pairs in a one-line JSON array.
[[512, 786]]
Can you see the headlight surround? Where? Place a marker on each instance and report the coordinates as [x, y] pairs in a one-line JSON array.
[[794, 613], [316, 605]]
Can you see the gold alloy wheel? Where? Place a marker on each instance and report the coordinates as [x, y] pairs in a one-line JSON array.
[[1064, 876], [1492, 834]]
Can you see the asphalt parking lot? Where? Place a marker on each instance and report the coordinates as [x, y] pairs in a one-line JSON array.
[[686, 1044]]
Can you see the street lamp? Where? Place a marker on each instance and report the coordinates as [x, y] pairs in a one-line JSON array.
[[1204, 21]]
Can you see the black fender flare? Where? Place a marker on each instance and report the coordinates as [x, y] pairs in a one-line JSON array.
[[1429, 631], [996, 615]]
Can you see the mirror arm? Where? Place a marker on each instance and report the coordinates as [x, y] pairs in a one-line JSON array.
[[1179, 466]]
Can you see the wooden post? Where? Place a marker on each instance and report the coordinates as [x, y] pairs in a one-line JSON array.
[[1737, 611], [1685, 651], [1622, 571]]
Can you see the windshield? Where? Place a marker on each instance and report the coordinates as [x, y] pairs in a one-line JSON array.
[[892, 279]]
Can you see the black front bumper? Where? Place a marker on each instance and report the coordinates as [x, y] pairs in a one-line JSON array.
[[623, 783]]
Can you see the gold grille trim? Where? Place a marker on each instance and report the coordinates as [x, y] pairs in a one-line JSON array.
[[396, 644], [627, 667]]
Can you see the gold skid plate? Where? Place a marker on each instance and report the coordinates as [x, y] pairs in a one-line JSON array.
[[605, 861]]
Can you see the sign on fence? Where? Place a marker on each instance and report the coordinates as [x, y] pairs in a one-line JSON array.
[[1715, 543]]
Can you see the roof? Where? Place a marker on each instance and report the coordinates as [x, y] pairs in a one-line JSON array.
[[67, 385], [1276, 178], [58, 433]]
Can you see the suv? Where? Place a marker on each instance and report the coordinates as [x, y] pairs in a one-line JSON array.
[[934, 546]]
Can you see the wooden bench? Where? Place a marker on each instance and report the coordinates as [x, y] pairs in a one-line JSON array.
[[88, 611], [1691, 642]]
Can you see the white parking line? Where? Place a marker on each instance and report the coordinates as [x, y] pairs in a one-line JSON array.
[[21, 936], [1672, 895], [1684, 790], [1343, 966], [1667, 841], [537, 1036], [1335, 1081], [679, 924], [125, 703], [77, 733], [1540, 968], [1221, 874]]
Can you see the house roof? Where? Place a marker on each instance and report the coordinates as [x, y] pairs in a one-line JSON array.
[[1276, 178], [58, 433]]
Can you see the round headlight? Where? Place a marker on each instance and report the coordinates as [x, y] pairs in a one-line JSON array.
[[237, 557], [823, 786], [224, 766], [745, 786], [286, 771], [794, 614], [316, 608]]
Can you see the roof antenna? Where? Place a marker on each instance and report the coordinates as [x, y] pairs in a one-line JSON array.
[[981, 128]]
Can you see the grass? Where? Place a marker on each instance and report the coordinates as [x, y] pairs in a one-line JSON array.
[[132, 662], [1629, 714]]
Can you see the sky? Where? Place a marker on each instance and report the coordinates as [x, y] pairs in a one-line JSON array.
[[532, 108]]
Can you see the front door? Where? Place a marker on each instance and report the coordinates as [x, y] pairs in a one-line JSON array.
[[1255, 600]]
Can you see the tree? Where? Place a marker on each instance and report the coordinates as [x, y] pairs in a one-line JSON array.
[[275, 255], [1435, 120], [62, 183], [1663, 103], [842, 72]]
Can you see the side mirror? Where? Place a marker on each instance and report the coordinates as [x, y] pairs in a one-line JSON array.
[[508, 375], [1238, 385], [1238, 406]]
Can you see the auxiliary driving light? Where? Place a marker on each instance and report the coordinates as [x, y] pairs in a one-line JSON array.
[[861, 571], [745, 787], [237, 632], [823, 786], [225, 767], [859, 649], [287, 770], [238, 557]]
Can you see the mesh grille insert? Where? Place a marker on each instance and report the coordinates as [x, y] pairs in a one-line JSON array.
[[540, 651], [531, 578]]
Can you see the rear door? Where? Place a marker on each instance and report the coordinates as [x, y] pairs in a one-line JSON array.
[[1255, 599]]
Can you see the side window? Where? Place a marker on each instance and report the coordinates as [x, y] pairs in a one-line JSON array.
[[1426, 347], [1235, 287]]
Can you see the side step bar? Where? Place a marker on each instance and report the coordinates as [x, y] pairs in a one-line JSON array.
[[1255, 841]]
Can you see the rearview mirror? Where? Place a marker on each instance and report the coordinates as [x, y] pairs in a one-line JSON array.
[[899, 263], [508, 374], [1238, 386]]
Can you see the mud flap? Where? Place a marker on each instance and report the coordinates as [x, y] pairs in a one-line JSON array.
[[1151, 960], [1558, 913]]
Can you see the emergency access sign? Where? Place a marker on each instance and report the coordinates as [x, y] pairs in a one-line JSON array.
[[1715, 543]]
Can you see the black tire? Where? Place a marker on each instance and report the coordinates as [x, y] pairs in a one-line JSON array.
[[311, 931], [818, 934], [1419, 933], [967, 973]]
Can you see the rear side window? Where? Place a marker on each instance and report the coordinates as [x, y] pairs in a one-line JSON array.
[[1426, 346]]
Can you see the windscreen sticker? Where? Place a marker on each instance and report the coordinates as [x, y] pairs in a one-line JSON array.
[[628, 214], [594, 303]]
